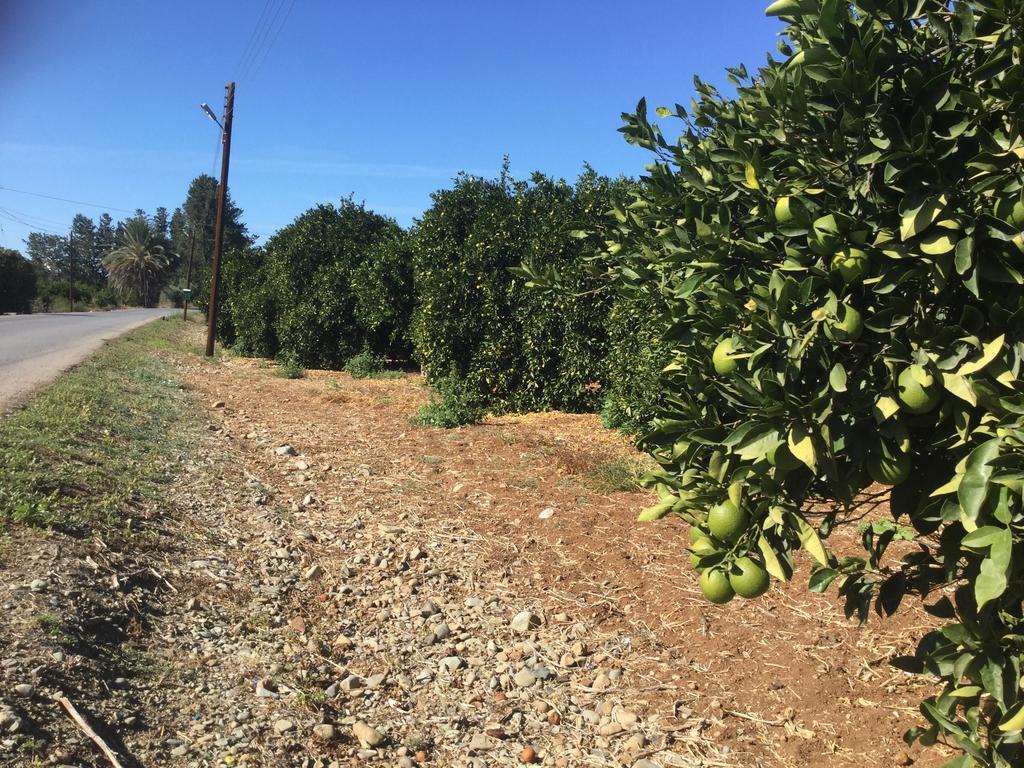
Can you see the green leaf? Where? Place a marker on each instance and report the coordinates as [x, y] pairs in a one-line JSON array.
[[809, 541], [750, 180], [991, 582], [771, 560], [974, 487], [989, 353], [783, 8], [837, 377], [923, 216], [959, 386], [821, 578], [938, 243], [801, 445], [885, 408], [982, 537]]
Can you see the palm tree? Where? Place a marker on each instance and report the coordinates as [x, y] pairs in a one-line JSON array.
[[138, 264]]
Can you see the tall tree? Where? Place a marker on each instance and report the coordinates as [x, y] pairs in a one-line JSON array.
[[82, 247], [17, 282], [192, 231], [161, 224], [49, 253], [138, 265], [103, 243]]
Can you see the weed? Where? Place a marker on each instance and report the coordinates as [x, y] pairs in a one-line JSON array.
[[367, 365], [289, 367], [451, 405], [616, 475]]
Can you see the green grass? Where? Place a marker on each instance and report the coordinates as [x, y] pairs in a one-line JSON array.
[[615, 475], [84, 453]]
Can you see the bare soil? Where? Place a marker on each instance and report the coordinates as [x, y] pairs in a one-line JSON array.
[[784, 680], [262, 581]]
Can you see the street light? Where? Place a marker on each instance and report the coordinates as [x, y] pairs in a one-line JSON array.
[[209, 112]]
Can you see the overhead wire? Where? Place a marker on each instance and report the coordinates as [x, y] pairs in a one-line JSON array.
[[251, 41], [65, 200], [257, 49], [273, 39]]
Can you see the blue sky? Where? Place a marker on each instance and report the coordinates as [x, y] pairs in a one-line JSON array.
[[387, 100]]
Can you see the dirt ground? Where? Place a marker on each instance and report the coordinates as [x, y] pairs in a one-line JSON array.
[[326, 584], [783, 681]]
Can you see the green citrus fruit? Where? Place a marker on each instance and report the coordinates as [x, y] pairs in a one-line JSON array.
[[716, 587], [782, 458], [917, 397], [784, 210], [727, 522], [723, 359], [701, 546], [748, 578], [851, 264], [889, 470], [846, 326]]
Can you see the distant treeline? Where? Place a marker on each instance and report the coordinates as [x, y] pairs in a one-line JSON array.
[[137, 260]]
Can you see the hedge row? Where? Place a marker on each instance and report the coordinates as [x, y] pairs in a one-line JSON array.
[[449, 296]]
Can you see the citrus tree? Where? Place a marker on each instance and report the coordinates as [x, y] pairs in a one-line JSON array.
[[837, 257], [478, 326]]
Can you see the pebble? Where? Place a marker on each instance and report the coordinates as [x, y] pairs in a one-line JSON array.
[[313, 572], [524, 678], [285, 450], [351, 683], [23, 689], [324, 732], [452, 663], [283, 726], [367, 735], [523, 622]]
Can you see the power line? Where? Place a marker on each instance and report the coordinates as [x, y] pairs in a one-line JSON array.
[[259, 35], [273, 39], [66, 200], [250, 43]]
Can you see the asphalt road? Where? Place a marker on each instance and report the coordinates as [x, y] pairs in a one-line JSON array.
[[35, 349]]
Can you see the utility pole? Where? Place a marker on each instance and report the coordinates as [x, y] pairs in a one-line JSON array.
[[188, 276], [218, 238], [71, 269]]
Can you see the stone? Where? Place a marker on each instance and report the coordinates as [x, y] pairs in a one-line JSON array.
[[442, 631], [625, 717], [523, 622], [351, 683], [452, 663], [218, 404], [546, 513], [367, 735], [479, 743], [37, 585], [313, 572], [324, 732], [282, 726], [285, 450], [528, 755], [600, 682], [524, 678], [429, 609], [375, 681], [23, 689]]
